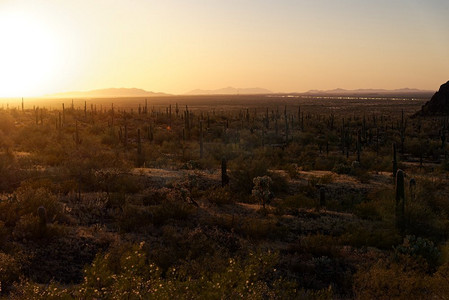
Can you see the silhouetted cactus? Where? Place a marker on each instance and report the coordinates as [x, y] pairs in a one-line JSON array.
[[400, 201], [76, 135], [224, 173], [201, 139], [322, 197], [262, 190], [412, 187], [395, 161], [358, 145], [402, 128], [63, 114], [139, 142], [42, 214]]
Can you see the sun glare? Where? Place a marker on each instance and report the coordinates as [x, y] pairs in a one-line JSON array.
[[28, 56]]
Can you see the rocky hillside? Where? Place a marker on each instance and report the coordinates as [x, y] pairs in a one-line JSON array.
[[438, 104]]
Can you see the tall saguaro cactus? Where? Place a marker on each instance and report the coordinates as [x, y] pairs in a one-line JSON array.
[[42, 214], [395, 161], [412, 188], [224, 173], [400, 201], [322, 197], [201, 139]]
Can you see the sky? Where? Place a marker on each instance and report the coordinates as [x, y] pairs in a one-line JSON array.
[[174, 46]]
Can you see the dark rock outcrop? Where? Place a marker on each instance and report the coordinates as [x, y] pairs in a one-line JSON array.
[[438, 104]]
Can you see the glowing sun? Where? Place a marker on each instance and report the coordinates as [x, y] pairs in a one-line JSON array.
[[28, 55]]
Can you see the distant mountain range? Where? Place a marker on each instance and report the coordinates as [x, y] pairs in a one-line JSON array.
[[230, 91], [108, 93], [369, 92], [134, 92]]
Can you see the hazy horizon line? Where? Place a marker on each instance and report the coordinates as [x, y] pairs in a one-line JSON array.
[[52, 95]]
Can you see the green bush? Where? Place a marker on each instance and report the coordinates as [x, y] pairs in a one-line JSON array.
[[419, 247], [242, 173], [129, 274], [9, 272], [340, 168], [219, 196]]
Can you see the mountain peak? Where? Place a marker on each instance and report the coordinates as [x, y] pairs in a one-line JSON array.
[[344, 92], [107, 93], [230, 91]]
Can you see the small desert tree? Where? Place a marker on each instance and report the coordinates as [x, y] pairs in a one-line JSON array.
[[261, 189]]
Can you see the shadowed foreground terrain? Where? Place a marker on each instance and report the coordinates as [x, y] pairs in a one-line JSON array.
[[223, 197]]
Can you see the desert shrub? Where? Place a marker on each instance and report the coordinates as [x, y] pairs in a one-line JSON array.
[[422, 220], [308, 158], [11, 174], [325, 163], [3, 232], [136, 276], [340, 168], [379, 202], [261, 190], [317, 245], [260, 229], [28, 228], [191, 165], [373, 162], [361, 174], [220, 150], [219, 196], [368, 210], [127, 183], [242, 173], [110, 139], [326, 179], [254, 228], [419, 247], [299, 201], [438, 282], [378, 235], [163, 136], [9, 272], [172, 209], [180, 245], [129, 274], [279, 184], [6, 123], [292, 170], [134, 218], [402, 276], [26, 201], [153, 196], [115, 181], [386, 279]]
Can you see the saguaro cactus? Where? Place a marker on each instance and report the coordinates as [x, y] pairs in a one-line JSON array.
[[224, 173], [201, 139], [261, 189], [395, 162], [322, 197], [76, 135], [42, 214], [139, 142], [412, 187], [400, 201], [358, 145]]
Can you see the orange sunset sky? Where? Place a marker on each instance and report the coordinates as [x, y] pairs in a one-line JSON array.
[[180, 45]]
